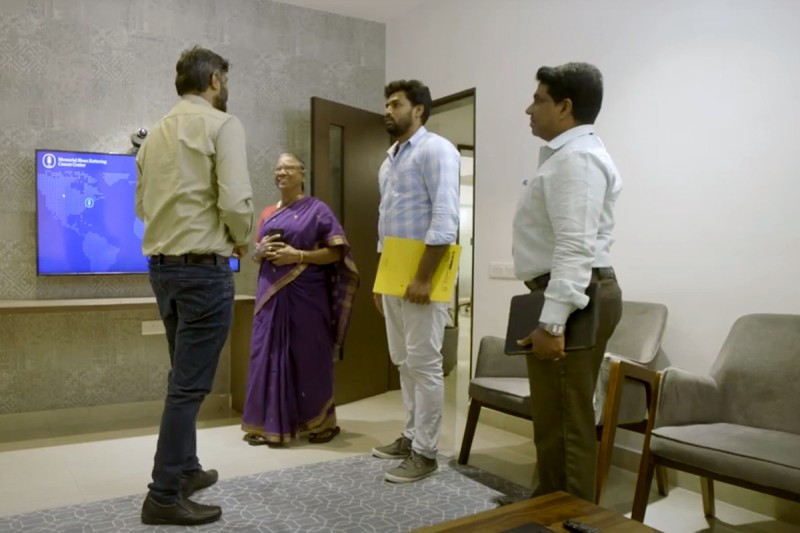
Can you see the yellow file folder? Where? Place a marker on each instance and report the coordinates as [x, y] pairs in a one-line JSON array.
[[398, 266]]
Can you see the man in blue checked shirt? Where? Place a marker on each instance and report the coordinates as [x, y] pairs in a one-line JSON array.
[[419, 183]]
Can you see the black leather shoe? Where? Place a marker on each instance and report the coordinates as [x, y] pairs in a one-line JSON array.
[[181, 513], [199, 480]]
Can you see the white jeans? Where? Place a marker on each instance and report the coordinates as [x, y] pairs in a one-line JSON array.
[[415, 333]]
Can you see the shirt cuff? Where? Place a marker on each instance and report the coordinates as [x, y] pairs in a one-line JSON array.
[[556, 312], [436, 238]]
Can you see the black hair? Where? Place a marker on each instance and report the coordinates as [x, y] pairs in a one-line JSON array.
[[416, 92], [580, 82], [195, 68]]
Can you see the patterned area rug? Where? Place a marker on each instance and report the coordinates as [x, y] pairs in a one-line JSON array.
[[346, 495]]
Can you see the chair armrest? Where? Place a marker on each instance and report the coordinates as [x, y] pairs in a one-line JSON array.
[[631, 370], [623, 392], [685, 398]]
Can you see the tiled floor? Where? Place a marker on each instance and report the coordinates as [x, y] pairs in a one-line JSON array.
[[53, 471]]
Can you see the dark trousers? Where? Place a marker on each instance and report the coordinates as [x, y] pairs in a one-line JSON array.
[[196, 304], [562, 398]]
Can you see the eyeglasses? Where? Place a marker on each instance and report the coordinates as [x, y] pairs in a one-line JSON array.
[[288, 168]]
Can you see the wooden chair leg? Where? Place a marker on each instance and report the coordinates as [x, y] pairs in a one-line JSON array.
[[661, 480], [707, 488], [609, 430], [647, 463], [643, 483], [469, 430]]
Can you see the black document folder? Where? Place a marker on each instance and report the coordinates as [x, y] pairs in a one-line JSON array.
[[523, 317]]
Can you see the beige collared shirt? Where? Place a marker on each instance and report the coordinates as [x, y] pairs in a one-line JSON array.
[[193, 191]]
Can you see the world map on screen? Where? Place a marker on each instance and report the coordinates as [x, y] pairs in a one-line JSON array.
[[86, 214]]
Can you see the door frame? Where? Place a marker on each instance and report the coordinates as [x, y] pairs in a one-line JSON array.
[[460, 148], [439, 102]]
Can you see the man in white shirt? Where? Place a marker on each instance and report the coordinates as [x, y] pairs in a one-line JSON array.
[[562, 236]]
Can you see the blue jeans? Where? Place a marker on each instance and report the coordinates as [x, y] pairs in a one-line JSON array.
[[196, 305]]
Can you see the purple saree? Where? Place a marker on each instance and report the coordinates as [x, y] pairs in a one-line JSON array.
[[301, 315]]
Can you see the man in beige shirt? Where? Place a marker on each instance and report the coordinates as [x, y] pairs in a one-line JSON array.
[[194, 196]]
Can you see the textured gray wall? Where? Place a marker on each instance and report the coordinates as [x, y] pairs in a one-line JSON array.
[[85, 74]]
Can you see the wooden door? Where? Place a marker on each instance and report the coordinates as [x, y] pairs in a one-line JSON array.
[[347, 147]]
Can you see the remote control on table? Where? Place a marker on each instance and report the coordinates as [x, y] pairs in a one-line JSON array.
[[579, 527]]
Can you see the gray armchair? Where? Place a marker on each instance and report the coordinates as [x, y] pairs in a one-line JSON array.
[[623, 390], [740, 424]]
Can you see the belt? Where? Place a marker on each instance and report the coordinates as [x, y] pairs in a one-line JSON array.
[[189, 259], [598, 273]]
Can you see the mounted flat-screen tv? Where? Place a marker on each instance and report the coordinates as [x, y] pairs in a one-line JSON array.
[[85, 212]]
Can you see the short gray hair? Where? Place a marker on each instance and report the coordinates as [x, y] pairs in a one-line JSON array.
[[299, 161]]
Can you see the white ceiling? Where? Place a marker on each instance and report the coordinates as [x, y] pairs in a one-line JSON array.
[[376, 10]]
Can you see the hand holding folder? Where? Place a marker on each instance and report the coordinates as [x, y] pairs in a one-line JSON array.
[[398, 266], [523, 317]]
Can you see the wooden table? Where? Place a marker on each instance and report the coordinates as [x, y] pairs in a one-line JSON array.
[[549, 510]]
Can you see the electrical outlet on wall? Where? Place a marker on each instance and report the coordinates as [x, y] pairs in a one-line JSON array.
[[500, 270]]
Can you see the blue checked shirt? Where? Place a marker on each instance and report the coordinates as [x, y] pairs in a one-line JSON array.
[[420, 190]]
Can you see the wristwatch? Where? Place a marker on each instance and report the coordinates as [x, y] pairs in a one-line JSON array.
[[555, 330]]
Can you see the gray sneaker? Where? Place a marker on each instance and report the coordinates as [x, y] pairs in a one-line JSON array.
[[399, 449], [414, 468]]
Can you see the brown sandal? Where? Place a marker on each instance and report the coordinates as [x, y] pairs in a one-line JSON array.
[[326, 435], [254, 439]]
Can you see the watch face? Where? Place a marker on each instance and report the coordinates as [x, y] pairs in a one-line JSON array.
[[554, 329]]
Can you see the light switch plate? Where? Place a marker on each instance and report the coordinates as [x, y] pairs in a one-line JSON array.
[[500, 270], [153, 327]]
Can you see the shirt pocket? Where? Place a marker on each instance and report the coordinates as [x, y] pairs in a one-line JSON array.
[[534, 186], [409, 179]]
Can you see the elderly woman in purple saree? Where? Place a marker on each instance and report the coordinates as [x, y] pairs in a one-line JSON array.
[[306, 284]]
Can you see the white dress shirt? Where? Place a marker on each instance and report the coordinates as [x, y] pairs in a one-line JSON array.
[[564, 219]]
